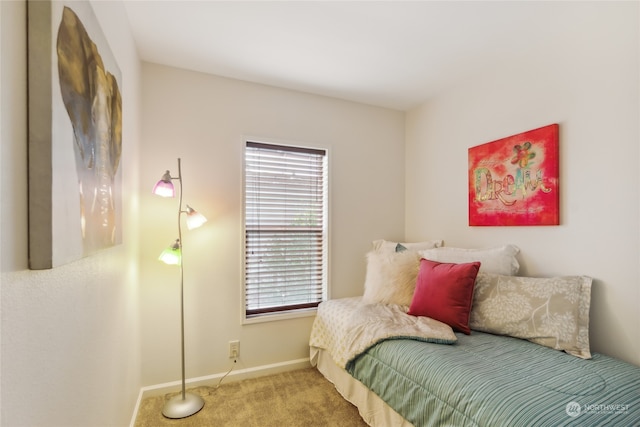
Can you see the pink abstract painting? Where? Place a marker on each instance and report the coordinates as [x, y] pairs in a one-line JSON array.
[[514, 180]]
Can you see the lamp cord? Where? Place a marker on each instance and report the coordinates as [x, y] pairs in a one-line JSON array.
[[228, 372]]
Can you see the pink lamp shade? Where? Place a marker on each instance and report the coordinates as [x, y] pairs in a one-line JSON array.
[[194, 218], [164, 187]]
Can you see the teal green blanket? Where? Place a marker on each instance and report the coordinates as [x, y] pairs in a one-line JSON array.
[[491, 381]]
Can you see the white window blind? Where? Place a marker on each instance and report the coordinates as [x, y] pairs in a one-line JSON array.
[[285, 227]]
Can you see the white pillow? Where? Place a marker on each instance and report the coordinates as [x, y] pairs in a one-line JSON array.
[[497, 260], [391, 277], [388, 246]]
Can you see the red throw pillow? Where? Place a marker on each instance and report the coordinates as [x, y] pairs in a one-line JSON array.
[[444, 292]]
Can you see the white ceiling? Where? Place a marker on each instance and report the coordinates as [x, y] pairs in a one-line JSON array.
[[393, 54]]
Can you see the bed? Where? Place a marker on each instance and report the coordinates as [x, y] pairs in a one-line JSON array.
[[528, 366]]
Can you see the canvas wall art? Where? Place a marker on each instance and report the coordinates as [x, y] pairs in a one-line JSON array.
[[75, 135], [514, 180]]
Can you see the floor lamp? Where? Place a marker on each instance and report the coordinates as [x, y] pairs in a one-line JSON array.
[[184, 404]]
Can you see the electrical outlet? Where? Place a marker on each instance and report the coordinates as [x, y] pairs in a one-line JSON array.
[[234, 349]]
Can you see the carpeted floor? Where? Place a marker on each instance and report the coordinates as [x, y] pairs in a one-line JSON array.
[[297, 398]]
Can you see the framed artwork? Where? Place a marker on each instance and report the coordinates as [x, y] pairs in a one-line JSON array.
[[514, 180], [75, 135]]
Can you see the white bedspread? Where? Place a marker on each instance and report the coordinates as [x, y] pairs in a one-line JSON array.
[[347, 327]]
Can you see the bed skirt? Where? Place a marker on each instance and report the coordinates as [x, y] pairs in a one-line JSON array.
[[373, 410]]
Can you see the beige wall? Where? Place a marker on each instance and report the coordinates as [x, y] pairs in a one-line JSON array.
[[202, 119], [70, 345], [584, 76]]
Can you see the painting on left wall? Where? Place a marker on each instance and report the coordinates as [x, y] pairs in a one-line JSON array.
[[75, 135]]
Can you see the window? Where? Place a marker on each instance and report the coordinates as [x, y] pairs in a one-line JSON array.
[[285, 197]]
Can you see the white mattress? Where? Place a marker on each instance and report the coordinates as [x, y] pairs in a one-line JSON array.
[[373, 410]]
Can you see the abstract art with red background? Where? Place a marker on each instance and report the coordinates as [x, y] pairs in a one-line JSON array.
[[514, 180]]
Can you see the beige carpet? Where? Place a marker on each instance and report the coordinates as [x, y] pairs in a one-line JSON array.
[[297, 398]]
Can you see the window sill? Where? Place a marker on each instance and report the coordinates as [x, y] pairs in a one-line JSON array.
[[272, 317]]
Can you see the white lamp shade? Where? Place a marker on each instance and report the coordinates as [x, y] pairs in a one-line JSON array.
[[194, 218]]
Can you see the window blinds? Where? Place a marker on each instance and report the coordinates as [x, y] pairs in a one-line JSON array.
[[285, 227]]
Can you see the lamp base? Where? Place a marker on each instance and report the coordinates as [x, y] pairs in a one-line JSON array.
[[177, 407]]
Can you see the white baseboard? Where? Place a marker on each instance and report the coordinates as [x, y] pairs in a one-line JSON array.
[[211, 380]]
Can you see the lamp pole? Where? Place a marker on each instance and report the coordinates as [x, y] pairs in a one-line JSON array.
[[181, 277]]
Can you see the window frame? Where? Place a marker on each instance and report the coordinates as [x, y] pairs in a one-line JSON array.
[[292, 312]]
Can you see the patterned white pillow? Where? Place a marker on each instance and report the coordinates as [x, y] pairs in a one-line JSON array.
[[553, 312], [497, 260]]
